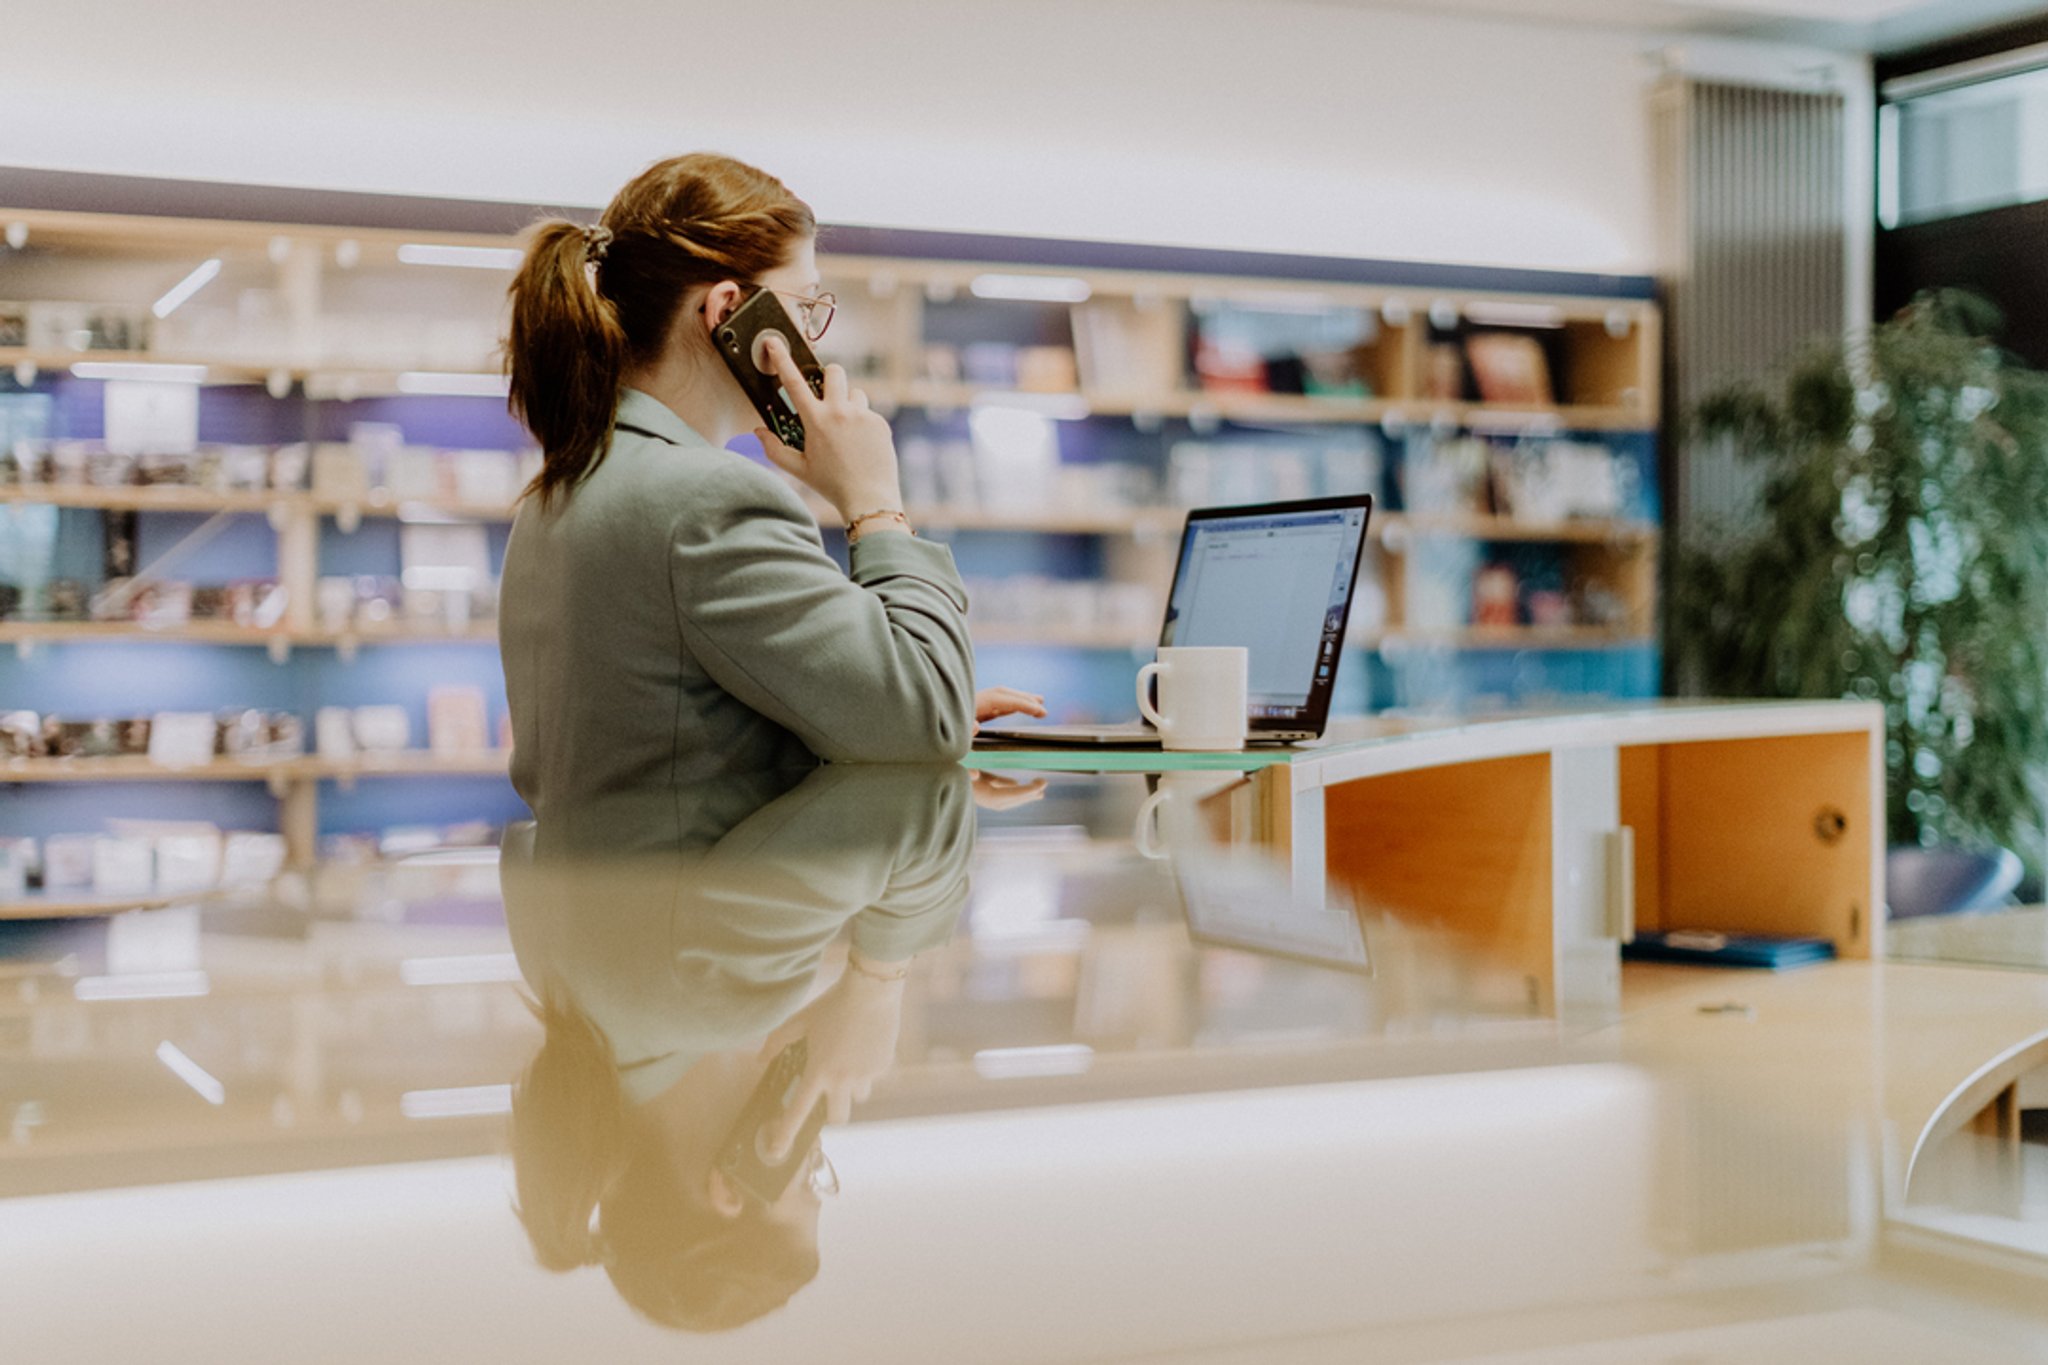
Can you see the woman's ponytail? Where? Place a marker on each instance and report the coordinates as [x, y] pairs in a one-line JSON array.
[[588, 304], [566, 355], [568, 1135]]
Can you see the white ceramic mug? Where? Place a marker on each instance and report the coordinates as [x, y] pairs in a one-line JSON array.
[[1169, 816], [1203, 693]]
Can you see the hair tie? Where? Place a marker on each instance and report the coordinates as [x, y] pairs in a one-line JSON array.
[[597, 239]]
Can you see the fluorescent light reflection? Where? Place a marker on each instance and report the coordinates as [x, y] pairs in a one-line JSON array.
[[1030, 288], [142, 986], [1056, 407], [1014, 1063], [450, 384], [1514, 315], [473, 969], [469, 1101], [469, 257], [186, 288], [191, 1073], [161, 374]]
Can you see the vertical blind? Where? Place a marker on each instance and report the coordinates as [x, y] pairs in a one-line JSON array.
[[1751, 208]]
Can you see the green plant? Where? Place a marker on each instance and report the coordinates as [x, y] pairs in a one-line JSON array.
[[1898, 552]]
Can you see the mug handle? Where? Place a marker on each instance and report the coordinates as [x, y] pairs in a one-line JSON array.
[[1145, 708], [1142, 830]]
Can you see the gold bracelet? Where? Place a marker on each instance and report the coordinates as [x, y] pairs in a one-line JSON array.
[[853, 963], [893, 514]]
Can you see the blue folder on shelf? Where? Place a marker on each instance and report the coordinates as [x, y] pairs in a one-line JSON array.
[[1706, 948]]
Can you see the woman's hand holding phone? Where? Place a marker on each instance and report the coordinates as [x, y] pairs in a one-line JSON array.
[[849, 454], [850, 1032]]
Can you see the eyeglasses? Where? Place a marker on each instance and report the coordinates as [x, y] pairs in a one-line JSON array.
[[820, 1174], [816, 311]]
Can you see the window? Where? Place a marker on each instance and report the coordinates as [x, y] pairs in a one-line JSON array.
[[1964, 139]]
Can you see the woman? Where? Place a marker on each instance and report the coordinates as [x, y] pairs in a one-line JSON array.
[[719, 907], [668, 610]]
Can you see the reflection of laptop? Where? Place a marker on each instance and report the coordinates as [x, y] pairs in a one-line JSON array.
[[1240, 902], [1275, 578]]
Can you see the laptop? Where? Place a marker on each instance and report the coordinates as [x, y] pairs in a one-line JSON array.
[[1276, 578]]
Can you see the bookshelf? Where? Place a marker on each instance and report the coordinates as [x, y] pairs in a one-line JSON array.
[[1125, 354]]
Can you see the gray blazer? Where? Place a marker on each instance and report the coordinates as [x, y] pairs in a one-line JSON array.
[[696, 920], [676, 617]]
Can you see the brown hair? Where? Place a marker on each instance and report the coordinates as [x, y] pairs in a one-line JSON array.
[[669, 1255], [689, 220]]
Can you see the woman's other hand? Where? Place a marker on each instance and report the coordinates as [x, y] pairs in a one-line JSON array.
[[991, 702], [993, 791], [849, 455]]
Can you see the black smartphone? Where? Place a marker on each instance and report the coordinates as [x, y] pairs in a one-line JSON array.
[[739, 340], [739, 1155]]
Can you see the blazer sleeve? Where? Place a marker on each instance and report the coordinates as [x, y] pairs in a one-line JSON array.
[[877, 668]]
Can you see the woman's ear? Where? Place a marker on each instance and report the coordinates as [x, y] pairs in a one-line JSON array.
[[719, 302], [724, 1197]]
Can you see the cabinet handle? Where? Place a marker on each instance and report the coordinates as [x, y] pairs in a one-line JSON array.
[[1621, 884]]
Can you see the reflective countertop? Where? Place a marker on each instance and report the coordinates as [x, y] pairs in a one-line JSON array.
[[1098, 1087]]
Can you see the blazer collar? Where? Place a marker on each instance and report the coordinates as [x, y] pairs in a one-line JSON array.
[[649, 414]]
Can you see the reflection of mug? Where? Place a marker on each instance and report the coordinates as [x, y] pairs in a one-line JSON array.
[[1202, 696], [1168, 813]]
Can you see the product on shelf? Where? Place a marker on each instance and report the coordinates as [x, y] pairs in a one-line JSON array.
[[140, 858], [365, 847], [170, 738], [214, 468], [182, 739], [1445, 477], [258, 603], [382, 729], [1046, 369], [1123, 346], [54, 325], [334, 732], [1232, 473], [1254, 348], [375, 466], [456, 720], [1059, 607], [18, 864], [1495, 596], [1509, 368], [1555, 480]]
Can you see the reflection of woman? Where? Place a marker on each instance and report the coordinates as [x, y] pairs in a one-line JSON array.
[[668, 611], [667, 983]]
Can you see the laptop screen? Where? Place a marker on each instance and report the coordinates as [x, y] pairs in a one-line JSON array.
[[1277, 580]]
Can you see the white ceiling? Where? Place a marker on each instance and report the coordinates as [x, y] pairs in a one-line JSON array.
[[1850, 25]]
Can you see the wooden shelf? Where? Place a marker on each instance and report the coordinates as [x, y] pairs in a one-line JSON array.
[[180, 498], [362, 380], [1511, 637], [404, 763], [1106, 521], [1457, 637], [228, 633], [82, 905], [217, 371], [415, 508], [1287, 408], [1481, 526], [151, 498], [1102, 638], [308, 768], [191, 632]]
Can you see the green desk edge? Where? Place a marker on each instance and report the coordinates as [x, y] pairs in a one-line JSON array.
[[1109, 760]]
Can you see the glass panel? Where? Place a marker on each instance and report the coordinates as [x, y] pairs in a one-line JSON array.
[[1972, 148]]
